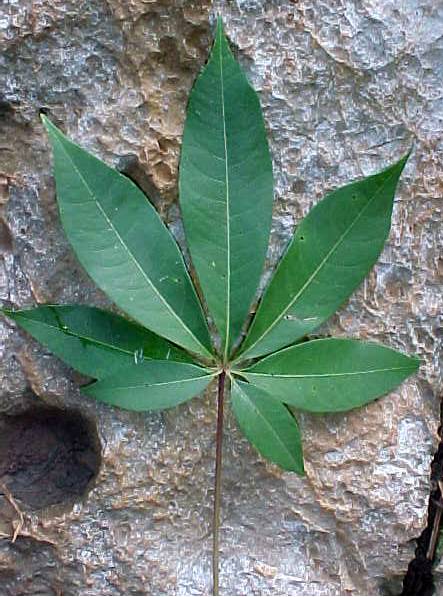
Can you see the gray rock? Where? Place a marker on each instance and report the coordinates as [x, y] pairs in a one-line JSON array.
[[346, 87]]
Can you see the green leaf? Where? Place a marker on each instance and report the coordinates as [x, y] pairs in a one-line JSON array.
[[332, 251], [124, 246], [151, 385], [331, 375], [268, 425], [226, 189], [93, 341]]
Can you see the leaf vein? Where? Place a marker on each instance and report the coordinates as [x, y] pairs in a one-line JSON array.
[[128, 251]]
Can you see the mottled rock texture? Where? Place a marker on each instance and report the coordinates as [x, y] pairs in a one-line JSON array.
[[346, 87]]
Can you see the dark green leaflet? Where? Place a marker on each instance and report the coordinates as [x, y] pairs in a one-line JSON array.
[[226, 189], [93, 341], [268, 425], [331, 375], [125, 247], [332, 251], [151, 385]]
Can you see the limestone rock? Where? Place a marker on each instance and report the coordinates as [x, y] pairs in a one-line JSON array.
[[346, 86]]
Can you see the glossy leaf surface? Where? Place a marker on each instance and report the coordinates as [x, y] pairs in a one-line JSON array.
[[331, 253], [226, 192], [269, 426], [331, 375], [124, 246], [93, 341], [151, 385], [226, 189]]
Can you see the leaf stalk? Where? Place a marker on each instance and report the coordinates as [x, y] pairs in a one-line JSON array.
[[217, 483]]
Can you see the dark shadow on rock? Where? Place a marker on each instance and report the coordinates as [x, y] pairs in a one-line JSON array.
[[28, 567], [419, 578], [48, 456]]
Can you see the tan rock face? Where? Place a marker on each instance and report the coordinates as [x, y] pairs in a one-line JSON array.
[[346, 86]]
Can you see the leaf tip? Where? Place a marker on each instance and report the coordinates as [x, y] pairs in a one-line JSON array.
[[402, 161], [415, 362], [50, 127], [220, 39], [6, 311], [45, 121], [297, 467], [219, 27], [88, 389], [399, 166]]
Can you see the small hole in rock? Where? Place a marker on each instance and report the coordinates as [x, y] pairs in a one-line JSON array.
[[48, 456], [6, 108]]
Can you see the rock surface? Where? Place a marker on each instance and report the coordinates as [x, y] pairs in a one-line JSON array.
[[346, 86]]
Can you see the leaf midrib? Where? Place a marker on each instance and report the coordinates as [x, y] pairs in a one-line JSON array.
[[126, 248], [162, 383], [319, 375], [319, 267], [274, 434], [228, 232], [86, 338]]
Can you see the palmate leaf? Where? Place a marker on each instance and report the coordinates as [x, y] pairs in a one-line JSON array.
[[151, 385], [268, 425], [122, 243], [93, 341], [331, 375], [331, 253], [226, 192], [226, 189]]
